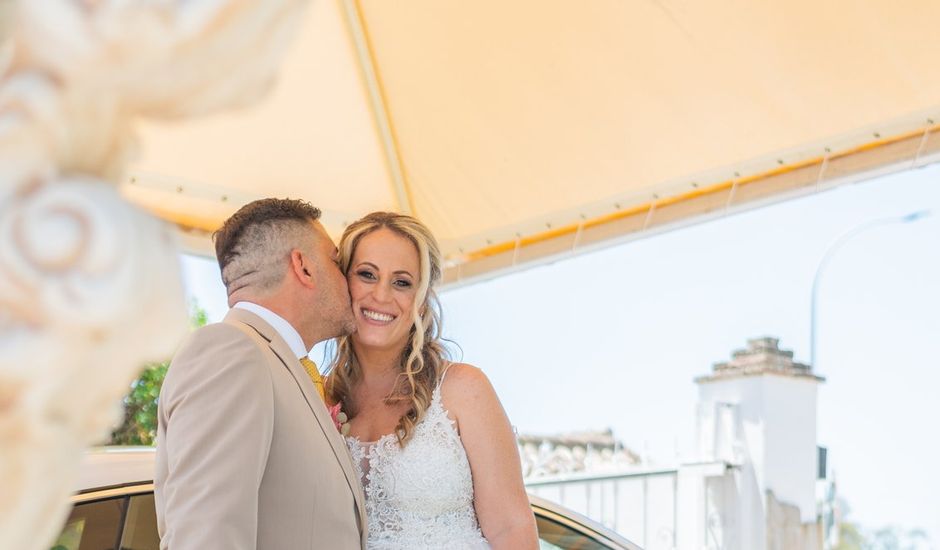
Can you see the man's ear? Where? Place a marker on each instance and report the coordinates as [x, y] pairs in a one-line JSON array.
[[302, 268]]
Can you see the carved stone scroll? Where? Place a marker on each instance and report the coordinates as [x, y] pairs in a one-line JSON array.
[[90, 286]]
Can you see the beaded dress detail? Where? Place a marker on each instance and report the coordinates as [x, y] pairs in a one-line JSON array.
[[419, 496]]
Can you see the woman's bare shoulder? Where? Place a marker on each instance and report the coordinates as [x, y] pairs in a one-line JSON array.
[[465, 386], [463, 376]]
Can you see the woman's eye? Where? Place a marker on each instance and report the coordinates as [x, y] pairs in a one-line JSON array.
[[366, 275], [402, 283]]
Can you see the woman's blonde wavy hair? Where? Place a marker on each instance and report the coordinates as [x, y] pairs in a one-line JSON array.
[[424, 356]]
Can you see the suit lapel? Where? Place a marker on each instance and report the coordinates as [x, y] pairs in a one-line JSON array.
[[280, 348]]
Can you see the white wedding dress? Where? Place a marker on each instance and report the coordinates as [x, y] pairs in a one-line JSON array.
[[419, 496]]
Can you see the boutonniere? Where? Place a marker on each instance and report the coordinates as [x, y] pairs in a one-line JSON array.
[[340, 420]]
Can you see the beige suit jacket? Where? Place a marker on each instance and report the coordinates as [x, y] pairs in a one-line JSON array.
[[247, 455]]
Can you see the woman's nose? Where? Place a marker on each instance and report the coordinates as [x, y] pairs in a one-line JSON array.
[[381, 292]]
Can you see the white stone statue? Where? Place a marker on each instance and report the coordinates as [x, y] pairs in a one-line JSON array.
[[90, 286]]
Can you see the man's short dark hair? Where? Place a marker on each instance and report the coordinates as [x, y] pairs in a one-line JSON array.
[[261, 216]]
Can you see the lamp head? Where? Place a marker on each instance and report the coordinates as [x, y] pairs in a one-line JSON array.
[[914, 216]]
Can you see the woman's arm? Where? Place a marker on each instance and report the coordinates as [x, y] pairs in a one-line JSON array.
[[498, 493]]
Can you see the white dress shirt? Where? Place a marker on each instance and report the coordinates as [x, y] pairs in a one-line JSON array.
[[279, 324]]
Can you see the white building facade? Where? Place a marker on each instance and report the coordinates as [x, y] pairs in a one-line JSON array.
[[759, 480]]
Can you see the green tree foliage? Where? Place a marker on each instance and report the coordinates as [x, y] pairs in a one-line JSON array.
[[897, 538], [853, 537], [140, 405]]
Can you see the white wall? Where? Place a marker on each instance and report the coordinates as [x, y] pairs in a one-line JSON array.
[[749, 478], [777, 423], [790, 441]]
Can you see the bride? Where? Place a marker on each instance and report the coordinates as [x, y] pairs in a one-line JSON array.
[[433, 447]]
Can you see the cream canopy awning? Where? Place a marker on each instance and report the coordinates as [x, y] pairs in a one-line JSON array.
[[520, 131]]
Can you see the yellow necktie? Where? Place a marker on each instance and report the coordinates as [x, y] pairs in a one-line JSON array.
[[314, 375]]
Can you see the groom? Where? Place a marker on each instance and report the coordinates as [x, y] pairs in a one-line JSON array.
[[247, 455]]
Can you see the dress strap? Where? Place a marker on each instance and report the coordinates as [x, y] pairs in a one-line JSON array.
[[440, 382]]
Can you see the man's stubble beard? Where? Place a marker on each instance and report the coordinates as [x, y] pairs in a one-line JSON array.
[[346, 319], [349, 326], [335, 318]]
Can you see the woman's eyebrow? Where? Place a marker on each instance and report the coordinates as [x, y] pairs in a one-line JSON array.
[[375, 267]]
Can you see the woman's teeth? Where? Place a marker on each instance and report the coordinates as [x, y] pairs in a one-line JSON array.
[[376, 316]]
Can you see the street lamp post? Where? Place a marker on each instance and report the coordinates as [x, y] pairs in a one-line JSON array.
[[827, 256]]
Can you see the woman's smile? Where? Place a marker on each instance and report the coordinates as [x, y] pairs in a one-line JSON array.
[[377, 317]]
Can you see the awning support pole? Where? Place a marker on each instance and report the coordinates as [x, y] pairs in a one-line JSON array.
[[379, 106]]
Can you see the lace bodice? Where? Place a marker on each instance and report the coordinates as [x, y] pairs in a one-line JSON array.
[[419, 496]]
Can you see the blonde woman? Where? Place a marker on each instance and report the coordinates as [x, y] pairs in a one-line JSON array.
[[433, 446]]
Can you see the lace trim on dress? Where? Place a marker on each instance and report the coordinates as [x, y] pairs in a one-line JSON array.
[[421, 495]]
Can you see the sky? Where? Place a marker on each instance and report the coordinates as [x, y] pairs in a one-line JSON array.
[[614, 338]]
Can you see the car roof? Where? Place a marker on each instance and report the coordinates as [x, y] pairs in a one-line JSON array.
[[113, 466], [583, 522], [120, 466]]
